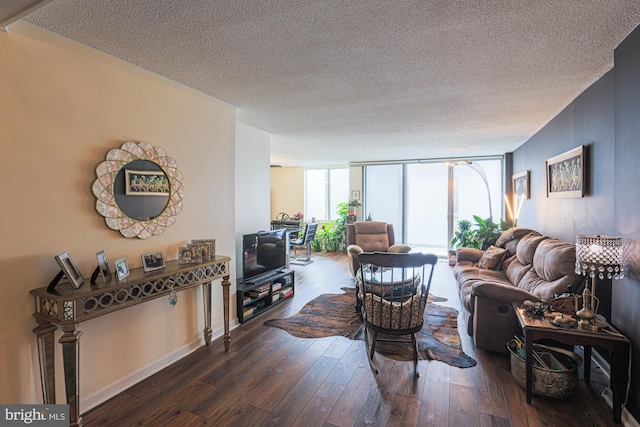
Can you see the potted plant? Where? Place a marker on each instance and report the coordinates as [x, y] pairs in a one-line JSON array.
[[465, 236], [352, 207], [487, 231]]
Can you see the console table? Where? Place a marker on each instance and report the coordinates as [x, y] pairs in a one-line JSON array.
[[538, 327], [68, 307]]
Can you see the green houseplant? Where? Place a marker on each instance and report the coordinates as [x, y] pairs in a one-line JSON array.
[[487, 231], [352, 207], [464, 237]]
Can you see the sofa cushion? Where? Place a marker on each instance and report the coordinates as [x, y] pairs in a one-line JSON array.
[[516, 271], [554, 259], [553, 269], [513, 234], [372, 236], [492, 258], [527, 248]]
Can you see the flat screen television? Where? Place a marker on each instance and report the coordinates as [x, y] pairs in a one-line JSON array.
[[262, 253]]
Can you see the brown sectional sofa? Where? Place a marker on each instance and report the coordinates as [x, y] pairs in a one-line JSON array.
[[533, 267]]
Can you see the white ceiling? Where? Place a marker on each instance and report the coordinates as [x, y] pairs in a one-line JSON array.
[[339, 81]]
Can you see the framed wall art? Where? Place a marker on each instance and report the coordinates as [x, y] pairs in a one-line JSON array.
[[122, 270], [355, 194], [146, 183], [521, 185], [566, 174], [69, 269], [153, 261]]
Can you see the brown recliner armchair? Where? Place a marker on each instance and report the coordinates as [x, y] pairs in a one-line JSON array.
[[370, 236]]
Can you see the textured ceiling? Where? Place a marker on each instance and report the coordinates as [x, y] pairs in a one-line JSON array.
[[340, 81]]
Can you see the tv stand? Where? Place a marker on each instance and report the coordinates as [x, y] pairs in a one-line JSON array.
[[259, 294]]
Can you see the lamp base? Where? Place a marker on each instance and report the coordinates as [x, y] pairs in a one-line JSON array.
[[589, 326]]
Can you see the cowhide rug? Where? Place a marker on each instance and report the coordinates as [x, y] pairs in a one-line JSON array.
[[334, 314]]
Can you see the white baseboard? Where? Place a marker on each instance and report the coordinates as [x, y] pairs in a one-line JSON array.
[[627, 418], [89, 402]]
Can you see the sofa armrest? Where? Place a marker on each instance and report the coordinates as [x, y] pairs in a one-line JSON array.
[[470, 254], [399, 249], [501, 292], [354, 250]]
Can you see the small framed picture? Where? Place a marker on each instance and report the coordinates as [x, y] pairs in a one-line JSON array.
[[189, 254], [208, 248], [103, 264], [70, 270], [122, 270], [146, 183], [355, 194], [521, 185], [153, 261]]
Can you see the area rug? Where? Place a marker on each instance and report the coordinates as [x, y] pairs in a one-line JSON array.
[[334, 314]]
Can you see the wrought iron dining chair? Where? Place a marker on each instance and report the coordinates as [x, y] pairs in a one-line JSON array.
[[393, 290]]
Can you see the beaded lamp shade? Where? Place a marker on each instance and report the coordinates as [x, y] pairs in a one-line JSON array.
[[601, 256]]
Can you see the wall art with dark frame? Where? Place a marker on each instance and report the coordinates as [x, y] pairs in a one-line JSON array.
[[566, 174]]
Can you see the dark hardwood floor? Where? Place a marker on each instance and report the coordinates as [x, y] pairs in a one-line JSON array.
[[270, 378]]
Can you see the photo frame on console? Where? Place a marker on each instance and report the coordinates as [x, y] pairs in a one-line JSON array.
[[122, 270], [207, 246], [69, 269], [152, 261], [566, 174], [189, 255], [103, 265]]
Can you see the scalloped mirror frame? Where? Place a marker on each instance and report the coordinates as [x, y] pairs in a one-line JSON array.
[[106, 202]]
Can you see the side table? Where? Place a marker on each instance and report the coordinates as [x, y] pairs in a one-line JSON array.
[[538, 327]]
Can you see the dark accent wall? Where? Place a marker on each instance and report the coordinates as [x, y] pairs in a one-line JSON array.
[[606, 119], [626, 169]]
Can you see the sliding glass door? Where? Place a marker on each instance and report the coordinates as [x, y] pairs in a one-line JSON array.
[[427, 195], [424, 201]]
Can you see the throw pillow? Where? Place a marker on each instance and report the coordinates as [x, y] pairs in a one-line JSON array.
[[492, 258]]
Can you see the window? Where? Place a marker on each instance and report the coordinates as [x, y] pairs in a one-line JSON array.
[[324, 189], [425, 200]]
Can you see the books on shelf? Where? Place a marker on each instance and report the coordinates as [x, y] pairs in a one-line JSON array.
[[276, 286], [286, 292], [275, 296], [258, 295], [248, 312]]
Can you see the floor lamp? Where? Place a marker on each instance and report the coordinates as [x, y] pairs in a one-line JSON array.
[[598, 257]]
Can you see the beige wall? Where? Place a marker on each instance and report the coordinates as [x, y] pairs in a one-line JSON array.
[[287, 190], [252, 184], [62, 107]]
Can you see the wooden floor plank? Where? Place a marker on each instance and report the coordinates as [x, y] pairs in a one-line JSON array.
[[320, 406]]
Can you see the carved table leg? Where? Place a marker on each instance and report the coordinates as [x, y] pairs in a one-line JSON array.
[[46, 352], [225, 300], [206, 296], [70, 358]]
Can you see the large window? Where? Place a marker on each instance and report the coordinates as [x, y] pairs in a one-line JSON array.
[[324, 189], [424, 201]]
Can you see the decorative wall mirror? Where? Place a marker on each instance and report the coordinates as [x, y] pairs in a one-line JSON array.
[[139, 190]]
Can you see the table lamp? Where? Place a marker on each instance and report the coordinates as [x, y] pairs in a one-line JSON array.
[[598, 257]]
